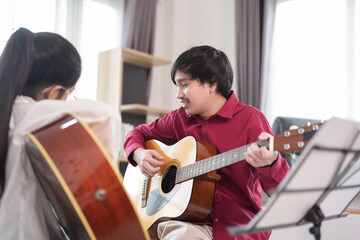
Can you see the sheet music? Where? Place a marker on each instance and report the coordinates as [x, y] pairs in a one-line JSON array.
[[319, 169]]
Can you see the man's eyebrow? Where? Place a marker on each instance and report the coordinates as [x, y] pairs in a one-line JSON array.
[[177, 81], [182, 79]]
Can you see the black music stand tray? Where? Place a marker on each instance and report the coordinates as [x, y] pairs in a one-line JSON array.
[[320, 187]]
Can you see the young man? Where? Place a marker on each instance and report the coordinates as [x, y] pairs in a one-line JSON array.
[[211, 112]]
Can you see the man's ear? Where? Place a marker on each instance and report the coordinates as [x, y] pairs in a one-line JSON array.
[[54, 92], [214, 84], [213, 88]]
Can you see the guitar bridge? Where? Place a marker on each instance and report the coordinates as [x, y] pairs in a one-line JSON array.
[[145, 192]]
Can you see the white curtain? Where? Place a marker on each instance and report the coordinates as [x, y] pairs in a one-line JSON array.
[[91, 25], [314, 68], [23, 13]]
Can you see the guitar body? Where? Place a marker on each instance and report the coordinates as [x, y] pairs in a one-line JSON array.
[[80, 182], [189, 201]]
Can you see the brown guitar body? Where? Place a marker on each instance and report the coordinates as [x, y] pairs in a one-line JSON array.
[[203, 188], [82, 185], [200, 204]]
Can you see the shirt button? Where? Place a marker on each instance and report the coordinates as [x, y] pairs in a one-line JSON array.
[[216, 219]]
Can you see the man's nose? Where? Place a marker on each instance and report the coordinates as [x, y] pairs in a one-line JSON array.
[[180, 93]]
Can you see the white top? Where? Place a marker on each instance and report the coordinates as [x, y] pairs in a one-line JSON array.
[[21, 213]]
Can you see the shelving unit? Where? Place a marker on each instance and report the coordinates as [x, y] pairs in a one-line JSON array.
[[122, 80], [110, 77], [142, 59], [141, 109]]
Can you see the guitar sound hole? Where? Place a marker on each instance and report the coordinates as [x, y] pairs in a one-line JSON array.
[[168, 181]]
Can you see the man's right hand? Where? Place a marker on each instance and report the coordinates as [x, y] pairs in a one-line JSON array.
[[147, 161]]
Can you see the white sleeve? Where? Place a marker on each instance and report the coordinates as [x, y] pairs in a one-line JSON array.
[[103, 120]]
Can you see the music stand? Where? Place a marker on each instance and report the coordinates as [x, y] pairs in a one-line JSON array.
[[320, 187]]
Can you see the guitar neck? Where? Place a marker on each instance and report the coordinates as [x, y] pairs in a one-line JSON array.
[[216, 162]]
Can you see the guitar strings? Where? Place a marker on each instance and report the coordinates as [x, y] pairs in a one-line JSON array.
[[237, 153], [197, 167]]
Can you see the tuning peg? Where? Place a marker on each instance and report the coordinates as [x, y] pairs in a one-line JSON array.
[[292, 127]]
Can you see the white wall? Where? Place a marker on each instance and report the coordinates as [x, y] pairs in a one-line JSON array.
[[182, 24]]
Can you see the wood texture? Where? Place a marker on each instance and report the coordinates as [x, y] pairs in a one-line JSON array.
[[193, 198], [73, 168]]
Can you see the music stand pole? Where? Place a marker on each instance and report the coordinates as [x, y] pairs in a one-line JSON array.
[[316, 216]]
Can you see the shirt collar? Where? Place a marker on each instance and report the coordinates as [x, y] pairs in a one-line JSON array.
[[18, 100], [227, 111], [23, 99]]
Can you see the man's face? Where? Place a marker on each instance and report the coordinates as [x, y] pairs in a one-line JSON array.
[[194, 96]]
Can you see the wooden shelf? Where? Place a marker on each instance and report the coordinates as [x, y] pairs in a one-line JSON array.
[[143, 110], [142, 59], [111, 80], [352, 211]]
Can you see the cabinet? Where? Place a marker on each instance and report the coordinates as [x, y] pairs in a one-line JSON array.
[[122, 82], [112, 65]]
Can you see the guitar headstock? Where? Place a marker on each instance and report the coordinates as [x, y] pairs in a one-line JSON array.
[[295, 140]]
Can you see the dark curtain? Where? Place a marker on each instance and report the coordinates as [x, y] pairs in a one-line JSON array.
[[139, 28], [254, 27]]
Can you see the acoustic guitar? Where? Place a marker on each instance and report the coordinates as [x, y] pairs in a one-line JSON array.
[[184, 187], [82, 185]]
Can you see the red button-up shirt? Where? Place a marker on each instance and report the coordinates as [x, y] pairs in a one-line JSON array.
[[238, 194]]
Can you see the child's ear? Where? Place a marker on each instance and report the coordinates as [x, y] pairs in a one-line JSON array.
[[53, 93]]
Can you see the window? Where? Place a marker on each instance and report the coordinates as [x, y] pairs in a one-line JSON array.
[[16, 13], [314, 69], [101, 30], [91, 25]]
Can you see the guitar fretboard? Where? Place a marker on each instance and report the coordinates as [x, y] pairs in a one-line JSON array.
[[213, 163]]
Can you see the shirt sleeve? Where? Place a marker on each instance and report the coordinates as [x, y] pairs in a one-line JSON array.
[[106, 125], [161, 129], [269, 176]]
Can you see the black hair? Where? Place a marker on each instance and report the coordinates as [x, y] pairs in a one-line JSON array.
[[207, 64], [29, 63]]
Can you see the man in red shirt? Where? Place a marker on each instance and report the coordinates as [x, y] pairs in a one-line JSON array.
[[211, 112]]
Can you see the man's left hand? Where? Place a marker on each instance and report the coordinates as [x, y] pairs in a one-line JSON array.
[[260, 156]]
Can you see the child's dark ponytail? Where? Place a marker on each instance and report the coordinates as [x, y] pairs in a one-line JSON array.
[[15, 66]]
